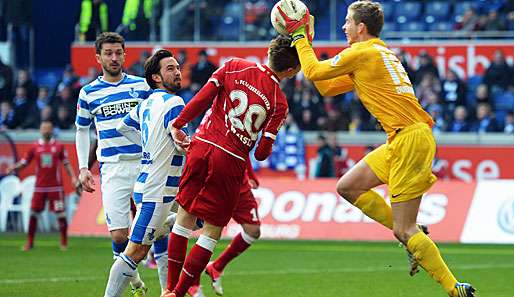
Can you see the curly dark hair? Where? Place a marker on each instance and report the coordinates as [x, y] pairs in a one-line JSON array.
[[153, 66]]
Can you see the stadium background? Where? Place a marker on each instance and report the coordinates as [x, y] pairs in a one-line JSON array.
[[459, 55]]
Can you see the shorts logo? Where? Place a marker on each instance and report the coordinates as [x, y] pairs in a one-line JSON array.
[[118, 108], [506, 216]]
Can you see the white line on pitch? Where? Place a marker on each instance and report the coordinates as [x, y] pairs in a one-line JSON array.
[[262, 272]]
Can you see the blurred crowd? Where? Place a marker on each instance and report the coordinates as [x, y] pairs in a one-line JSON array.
[[249, 20], [478, 104]]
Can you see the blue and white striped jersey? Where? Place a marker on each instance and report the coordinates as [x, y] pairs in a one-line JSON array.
[[161, 162], [107, 103]]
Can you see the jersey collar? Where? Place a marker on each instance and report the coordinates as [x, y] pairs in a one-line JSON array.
[[269, 72], [41, 141], [123, 77]]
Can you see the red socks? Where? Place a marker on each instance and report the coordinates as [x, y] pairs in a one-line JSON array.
[[63, 227], [32, 230], [236, 247], [195, 263], [177, 248]]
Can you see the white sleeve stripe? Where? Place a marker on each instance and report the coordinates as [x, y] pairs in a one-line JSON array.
[[270, 135], [215, 81]]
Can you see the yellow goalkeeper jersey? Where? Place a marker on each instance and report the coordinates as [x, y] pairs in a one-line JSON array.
[[377, 76]]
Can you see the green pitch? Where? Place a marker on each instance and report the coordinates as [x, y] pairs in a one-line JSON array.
[[269, 268]]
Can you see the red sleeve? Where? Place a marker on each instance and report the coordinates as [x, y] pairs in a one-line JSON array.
[[202, 100], [250, 172], [264, 147], [278, 116], [29, 155], [63, 155], [200, 103]]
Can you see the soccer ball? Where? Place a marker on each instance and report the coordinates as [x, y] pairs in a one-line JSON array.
[[294, 9]]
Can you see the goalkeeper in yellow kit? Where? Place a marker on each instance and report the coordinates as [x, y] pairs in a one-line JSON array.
[[404, 161]]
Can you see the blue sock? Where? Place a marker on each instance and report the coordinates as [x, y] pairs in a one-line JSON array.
[[160, 247], [118, 248]]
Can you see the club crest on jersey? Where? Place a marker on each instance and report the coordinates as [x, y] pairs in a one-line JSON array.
[[335, 60], [133, 93], [151, 235], [118, 108]]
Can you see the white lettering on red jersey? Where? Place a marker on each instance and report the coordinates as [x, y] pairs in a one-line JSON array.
[[249, 101]]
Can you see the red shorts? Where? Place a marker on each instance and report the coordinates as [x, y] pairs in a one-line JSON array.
[[210, 183], [56, 200], [246, 208]]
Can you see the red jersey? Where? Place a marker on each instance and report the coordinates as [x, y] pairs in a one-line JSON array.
[[48, 156], [249, 100]]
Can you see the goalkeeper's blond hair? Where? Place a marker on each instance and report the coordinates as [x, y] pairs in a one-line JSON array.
[[370, 14]]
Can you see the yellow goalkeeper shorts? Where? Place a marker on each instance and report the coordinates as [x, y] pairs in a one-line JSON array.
[[405, 163]]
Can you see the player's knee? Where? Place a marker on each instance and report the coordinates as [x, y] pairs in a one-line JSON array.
[[401, 234], [35, 212], [60, 215], [344, 190], [254, 232], [119, 236]]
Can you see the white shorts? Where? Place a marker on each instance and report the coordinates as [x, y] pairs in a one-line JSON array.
[[117, 183], [149, 221]]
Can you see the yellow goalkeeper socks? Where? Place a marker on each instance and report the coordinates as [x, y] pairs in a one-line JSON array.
[[427, 254], [375, 207]]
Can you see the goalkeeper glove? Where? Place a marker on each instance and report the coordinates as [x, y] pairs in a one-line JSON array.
[[298, 29]]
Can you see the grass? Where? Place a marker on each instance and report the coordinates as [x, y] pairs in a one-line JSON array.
[[269, 268]]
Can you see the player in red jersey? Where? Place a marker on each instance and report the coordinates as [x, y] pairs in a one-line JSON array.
[[246, 99], [48, 153], [245, 214]]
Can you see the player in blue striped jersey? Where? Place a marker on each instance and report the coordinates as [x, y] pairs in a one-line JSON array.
[[149, 125], [106, 101]]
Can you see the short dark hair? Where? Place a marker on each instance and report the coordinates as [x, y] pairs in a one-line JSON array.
[[108, 37], [153, 66], [281, 55], [370, 14]]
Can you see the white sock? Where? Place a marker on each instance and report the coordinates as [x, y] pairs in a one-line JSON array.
[[122, 271], [162, 270], [136, 281]]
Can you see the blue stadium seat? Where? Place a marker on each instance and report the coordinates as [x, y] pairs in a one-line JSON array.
[[461, 7], [229, 28], [438, 10], [388, 8], [440, 26], [412, 26], [408, 10], [504, 101], [500, 117], [389, 27], [473, 83], [322, 27]]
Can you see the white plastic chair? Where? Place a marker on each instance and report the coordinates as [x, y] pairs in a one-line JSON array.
[[27, 191], [10, 188]]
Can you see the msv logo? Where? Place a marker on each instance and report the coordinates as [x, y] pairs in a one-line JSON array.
[[506, 216]]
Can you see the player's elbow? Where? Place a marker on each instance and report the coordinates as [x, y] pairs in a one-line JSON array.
[[261, 156]]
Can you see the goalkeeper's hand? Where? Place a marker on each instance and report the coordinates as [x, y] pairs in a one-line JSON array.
[[298, 29]]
